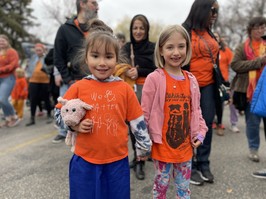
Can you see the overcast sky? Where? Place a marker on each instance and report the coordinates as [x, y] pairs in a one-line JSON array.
[[112, 11]]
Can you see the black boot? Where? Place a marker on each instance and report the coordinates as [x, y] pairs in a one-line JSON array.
[[132, 164], [31, 122], [140, 175]]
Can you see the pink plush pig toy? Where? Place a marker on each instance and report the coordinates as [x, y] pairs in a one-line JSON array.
[[72, 112]]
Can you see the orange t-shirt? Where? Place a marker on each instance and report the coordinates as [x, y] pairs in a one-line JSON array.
[[225, 59], [201, 64], [113, 103], [176, 146], [38, 76]]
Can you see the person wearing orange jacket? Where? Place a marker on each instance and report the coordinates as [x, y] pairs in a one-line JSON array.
[[8, 63], [20, 92]]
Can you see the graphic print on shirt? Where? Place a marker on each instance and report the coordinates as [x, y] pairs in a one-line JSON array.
[[178, 125], [104, 105]]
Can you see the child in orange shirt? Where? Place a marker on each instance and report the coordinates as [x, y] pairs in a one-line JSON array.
[[171, 106], [99, 167], [20, 92]]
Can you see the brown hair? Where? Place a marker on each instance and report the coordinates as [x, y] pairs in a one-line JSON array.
[[255, 21], [97, 39]]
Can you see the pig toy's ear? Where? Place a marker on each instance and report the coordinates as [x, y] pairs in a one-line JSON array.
[[86, 106], [62, 100]]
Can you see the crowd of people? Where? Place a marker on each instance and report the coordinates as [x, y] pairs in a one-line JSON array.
[[165, 96]]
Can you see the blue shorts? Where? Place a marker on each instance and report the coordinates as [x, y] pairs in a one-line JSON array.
[[99, 181]]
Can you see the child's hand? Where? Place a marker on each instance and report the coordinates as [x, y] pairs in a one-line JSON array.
[[195, 142], [85, 126], [142, 158]]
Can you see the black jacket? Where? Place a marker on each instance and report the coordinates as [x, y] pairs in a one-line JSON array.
[[69, 39]]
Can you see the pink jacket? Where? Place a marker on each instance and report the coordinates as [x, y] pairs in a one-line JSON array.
[[152, 103]]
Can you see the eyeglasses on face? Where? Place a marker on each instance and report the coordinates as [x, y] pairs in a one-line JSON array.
[[214, 11], [263, 27]]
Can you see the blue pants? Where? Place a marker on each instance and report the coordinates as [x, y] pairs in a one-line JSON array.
[[6, 87], [207, 104], [99, 181], [252, 129]]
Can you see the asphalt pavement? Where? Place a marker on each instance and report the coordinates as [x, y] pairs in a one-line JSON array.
[[32, 167]]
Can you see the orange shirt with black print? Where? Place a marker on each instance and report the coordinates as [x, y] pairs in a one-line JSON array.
[[201, 64], [176, 144], [113, 103]]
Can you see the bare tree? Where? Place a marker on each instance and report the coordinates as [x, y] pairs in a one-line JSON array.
[[234, 17], [59, 10]]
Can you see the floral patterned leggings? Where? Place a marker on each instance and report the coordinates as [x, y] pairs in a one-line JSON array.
[[181, 175]]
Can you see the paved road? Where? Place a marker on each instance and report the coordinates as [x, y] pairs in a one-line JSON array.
[[34, 168]]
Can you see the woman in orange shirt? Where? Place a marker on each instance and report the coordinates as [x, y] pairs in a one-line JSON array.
[[8, 63], [205, 50]]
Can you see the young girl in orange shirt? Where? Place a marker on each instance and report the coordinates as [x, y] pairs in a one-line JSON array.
[[99, 167], [171, 105]]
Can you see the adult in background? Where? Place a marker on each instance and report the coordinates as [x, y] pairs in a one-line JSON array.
[[121, 39], [140, 53], [9, 61], [39, 83], [225, 58], [248, 62], [69, 39], [205, 50]]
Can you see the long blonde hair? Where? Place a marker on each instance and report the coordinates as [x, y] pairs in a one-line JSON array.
[[163, 37]]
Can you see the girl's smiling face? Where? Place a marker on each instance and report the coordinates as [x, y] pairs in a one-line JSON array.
[[174, 52], [101, 61]]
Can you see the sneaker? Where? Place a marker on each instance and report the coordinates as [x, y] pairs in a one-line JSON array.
[[253, 155], [214, 126], [259, 174], [234, 129], [221, 126], [40, 114], [207, 176], [49, 120], [14, 122], [220, 131], [195, 178], [58, 139]]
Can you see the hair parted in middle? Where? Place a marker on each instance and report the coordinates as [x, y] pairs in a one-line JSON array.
[[164, 36], [97, 39], [198, 16]]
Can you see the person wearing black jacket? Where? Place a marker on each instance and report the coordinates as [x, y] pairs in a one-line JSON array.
[[68, 41], [140, 54]]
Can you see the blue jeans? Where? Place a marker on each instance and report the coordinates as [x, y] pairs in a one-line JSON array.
[[207, 103], [6, 87], [252, 129]]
